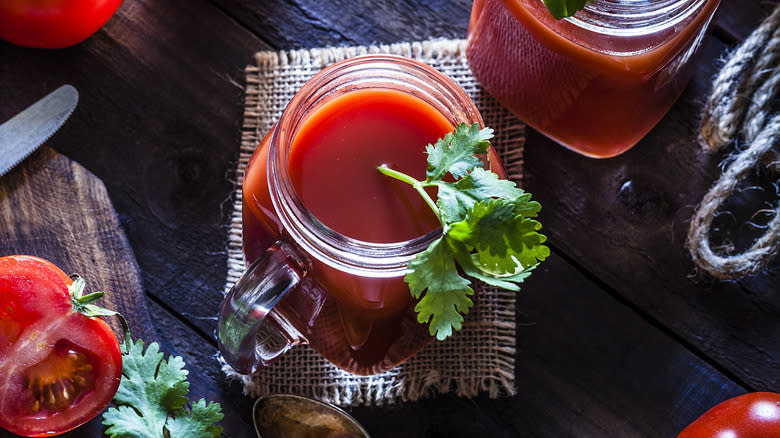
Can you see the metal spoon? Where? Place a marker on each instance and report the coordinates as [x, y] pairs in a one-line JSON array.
[[287, 415]]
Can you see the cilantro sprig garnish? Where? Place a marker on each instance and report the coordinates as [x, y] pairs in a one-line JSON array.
[[487, 230], [564, 8], [152, 399]]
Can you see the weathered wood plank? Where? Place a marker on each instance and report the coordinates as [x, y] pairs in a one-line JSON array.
[[295, 24], [626, 222], [587, 365], [53, 208]]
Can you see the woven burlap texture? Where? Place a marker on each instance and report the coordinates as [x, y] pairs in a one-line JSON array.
[[480, 357]]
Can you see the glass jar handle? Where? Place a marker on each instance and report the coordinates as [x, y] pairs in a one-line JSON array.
[[250, 333]]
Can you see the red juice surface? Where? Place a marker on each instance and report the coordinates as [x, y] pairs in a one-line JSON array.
[[335, 154], [599, 102]]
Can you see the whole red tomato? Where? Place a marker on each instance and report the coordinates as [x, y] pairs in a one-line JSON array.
[[53, 24], [58, 368], [751, 415]]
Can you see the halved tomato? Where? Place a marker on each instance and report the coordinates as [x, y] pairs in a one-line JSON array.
[[58, 367]]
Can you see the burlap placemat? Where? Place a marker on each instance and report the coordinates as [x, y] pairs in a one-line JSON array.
[[479, 358]]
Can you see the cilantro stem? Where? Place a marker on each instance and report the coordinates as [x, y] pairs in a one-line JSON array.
[[419, 186]]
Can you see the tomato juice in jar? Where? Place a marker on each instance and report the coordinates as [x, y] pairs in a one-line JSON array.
[[596, 82], [313, 182]]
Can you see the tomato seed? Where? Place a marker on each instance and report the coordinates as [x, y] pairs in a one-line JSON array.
[[58, 381]]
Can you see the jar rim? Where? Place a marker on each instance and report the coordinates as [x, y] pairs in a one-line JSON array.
[[373, 71], [631, 18]]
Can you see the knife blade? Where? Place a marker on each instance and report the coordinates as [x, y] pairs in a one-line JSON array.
[[24, 132]]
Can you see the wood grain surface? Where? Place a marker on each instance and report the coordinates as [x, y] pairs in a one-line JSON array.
[[53, 208]]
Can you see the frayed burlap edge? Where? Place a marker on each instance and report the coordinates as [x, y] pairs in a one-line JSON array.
[[478, 359]]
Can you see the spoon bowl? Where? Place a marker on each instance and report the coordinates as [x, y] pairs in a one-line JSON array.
[[288, 415]]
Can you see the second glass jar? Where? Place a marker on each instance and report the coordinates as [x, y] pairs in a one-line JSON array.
[[597, 82]]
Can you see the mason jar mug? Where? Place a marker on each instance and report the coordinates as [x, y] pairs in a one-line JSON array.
[[327, 236]]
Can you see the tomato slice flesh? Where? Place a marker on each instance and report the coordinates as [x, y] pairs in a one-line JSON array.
[[61, 379], [56, 350], [29, 290]]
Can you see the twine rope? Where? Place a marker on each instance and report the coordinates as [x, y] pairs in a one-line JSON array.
[[740, 110]]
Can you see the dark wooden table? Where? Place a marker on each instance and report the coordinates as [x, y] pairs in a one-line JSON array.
[[629, 338]]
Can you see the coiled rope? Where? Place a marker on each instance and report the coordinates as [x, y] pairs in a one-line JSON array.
[[740, 109]]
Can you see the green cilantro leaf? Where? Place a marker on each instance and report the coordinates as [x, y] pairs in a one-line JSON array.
[[457, 152], [443, 309], [487, 231], [564, 8], [447, 291], [152, 399], [122, 423], [507, 281], [200, 423], [455, 199], [435, 269], [504, 240]]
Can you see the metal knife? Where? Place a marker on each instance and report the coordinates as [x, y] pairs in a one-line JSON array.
[[24, 132]]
